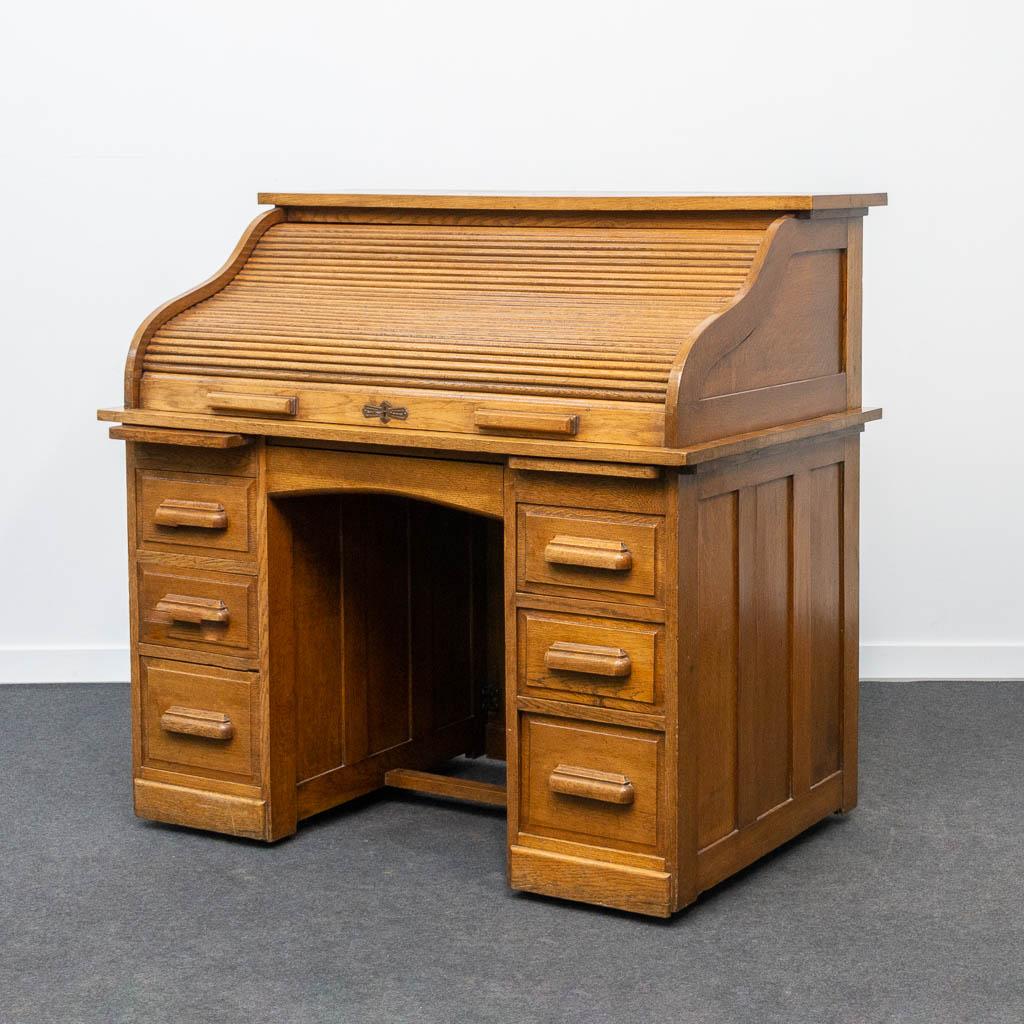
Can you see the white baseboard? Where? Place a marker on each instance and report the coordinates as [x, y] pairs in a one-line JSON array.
[[64, 665], [942, 661], [877, 661]]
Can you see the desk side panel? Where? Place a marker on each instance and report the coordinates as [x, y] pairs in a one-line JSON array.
[[788, 346], [774, 717]]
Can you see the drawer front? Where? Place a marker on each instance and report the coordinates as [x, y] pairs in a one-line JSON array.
[[576, 658], [391, 409], [182, 509], [589, 783], [610, 554], [198, 610], [198, 719]]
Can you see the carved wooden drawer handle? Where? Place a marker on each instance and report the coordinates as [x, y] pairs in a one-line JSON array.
[[278, 405], [211, 725], [527, 422], [180, 608], [590, 784], [589, 552], [204, 515], [588, 659]]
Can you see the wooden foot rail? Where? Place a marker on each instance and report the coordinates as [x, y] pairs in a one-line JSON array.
[[446, 785]]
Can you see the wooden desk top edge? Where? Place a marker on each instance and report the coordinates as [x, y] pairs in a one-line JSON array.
[[580, 202], [693, 455]]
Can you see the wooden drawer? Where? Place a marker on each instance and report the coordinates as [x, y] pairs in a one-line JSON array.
[[199, 511], [389, 410], [610, 554], [589, 783], [198, 719], [197, 609], [596, 661]]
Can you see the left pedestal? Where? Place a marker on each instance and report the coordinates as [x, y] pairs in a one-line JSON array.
[[197, 589]]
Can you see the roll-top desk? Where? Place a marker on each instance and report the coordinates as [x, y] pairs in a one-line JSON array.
[[572, 481]]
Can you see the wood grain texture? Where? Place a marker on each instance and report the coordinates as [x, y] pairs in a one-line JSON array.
[[602, 713], [590, 659], [774, 659], [199, 719], [271, 405], [585, 468], [137, 351], [772, 354], [195, 511], [551, 744], [586, 313], [413, 411], [455, 443], [557, 660], [804, 323], [683, 724], [609, 553], [850, 575], [770, 686], [382, 632], [470, 486], [198, 462], [197, 609], [591, 784], [603, 883], [350, 781], [211, 725], [497, 420], [718, 326], [760, 440], [180, 608], [764, 682], [630, 495], [588, 553], [824, 573], [433, 784], [185, 512], [188, 438], [573, 481], [200, 808], [718, 638], [657, 201]]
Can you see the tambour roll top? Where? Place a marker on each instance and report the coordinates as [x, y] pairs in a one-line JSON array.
[[561, 312], [645, 321]]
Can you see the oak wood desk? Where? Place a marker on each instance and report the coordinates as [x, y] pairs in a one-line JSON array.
[[570, 480]]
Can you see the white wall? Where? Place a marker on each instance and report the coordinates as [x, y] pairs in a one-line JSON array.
[[135, 137]]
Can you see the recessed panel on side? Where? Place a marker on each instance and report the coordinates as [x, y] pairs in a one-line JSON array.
[[448, 627], [718, 650], [825, 523], [375, 623], [315, 613], [800, 336], [764, 707]]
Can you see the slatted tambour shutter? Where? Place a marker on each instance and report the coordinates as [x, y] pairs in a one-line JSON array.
[[596, 313]]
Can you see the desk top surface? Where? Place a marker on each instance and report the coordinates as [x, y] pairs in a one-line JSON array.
[[595, 201]]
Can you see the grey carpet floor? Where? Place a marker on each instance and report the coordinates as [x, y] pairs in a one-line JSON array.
[[395, 908]]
